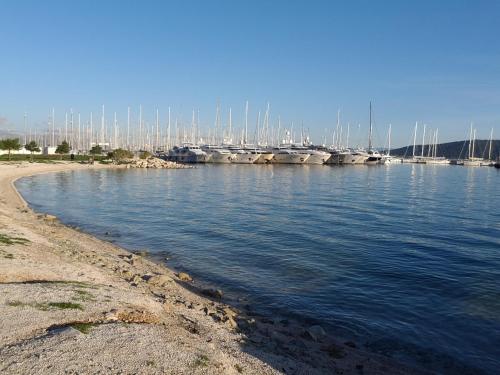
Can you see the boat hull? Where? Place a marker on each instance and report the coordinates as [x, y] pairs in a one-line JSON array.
[[290, 158], [246, 158], [220, 158], [264, 158], [317, 158]]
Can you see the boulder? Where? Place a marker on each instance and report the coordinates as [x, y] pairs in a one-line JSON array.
[[158, 280], [183, 276]]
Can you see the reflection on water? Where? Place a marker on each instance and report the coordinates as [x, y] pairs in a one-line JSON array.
[[405, 257]]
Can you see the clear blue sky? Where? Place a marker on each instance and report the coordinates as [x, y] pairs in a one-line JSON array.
[[436, 62]]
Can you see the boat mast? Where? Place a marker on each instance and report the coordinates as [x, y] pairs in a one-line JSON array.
[[246, 123], [415, 138], [491, 141], [470, 141], [389, 141], [423, 141], [168, 130], [157, 130], [347, 137], [370, 134], [436, 144], [473, 142]]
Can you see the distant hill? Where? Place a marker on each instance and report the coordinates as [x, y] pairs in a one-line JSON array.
[[453, 150]]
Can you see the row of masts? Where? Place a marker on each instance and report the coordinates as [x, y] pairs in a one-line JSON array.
[[432, 143], [138, 134]]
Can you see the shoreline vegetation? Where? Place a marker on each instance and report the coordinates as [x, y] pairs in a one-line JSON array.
[[96, 307]]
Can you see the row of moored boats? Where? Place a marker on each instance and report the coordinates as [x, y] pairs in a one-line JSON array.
[[285, 154]]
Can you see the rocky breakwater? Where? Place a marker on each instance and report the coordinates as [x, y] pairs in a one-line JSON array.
[[155, 163]]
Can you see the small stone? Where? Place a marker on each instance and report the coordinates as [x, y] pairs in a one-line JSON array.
[[228, 312], [232, 323], [158, 280], [184, 276]]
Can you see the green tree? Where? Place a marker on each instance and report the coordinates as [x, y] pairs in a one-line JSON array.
[[119, 154], [10, 144], [63, 148], [96, 150], [32, 147]]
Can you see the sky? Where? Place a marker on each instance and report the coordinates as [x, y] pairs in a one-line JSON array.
[[435, 62]]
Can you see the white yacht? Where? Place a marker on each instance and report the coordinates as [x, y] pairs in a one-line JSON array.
[[374, 157], [389, 159], [218, 154], [315, 156], [438, 160], [265, 156], [188, 154], [242, 156], [285, 155]]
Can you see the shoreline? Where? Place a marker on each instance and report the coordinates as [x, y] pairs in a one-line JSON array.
[[118, 294]]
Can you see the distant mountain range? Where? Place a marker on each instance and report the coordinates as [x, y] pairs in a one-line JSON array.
[[454, 150]]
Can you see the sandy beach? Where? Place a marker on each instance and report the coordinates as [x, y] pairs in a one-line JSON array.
[[71, 303]]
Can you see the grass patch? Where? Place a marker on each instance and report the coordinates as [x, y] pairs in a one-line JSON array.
[[47, 306], [65, 305], [201, 361], [8, 240], [83, 295], [84, 328], [9, 256], [150, 363]]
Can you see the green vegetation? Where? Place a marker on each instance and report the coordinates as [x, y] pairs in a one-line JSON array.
[[48, 158], [10, 144], [201, 361], [47, 306], [145, 155], [63, 148], [83, 327], [120, 154], [8, 240], [83, 296], [96, 150], [65, 305], [32, 147]]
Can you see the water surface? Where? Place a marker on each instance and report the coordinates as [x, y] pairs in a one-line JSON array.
[[405, 258]]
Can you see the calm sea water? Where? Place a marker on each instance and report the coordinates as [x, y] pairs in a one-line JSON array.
[[405, 258]]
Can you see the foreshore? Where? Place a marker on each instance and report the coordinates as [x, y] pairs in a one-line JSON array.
[[71, 303]]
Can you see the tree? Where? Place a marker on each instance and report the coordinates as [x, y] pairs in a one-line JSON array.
[[63, 148], [10, 144], [120, 154], [96, 150], [32, 147]]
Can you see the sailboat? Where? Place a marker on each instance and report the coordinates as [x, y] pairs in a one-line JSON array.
[[434, 159], [388, 159], [472, 161], [372, 156]]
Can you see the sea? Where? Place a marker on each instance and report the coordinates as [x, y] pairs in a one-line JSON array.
[[403, 258]]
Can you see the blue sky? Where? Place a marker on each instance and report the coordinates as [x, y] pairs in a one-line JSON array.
[[436, 62]]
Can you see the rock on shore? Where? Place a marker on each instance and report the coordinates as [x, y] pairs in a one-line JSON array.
[[155, 163]]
